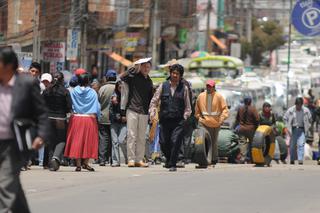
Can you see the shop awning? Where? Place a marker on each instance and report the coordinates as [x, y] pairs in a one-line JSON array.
[[218, 42], [120, 59]]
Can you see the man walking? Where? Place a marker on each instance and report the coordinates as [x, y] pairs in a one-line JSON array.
[[105, 93], [20, 101], [175, 108], [140, 94], [211, 110], [298, 121]]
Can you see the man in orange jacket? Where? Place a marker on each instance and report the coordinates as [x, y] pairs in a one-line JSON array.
[[211, 110]]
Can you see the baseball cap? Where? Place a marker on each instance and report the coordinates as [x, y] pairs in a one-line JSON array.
[[46, 77], [211, 83], [80, 71], [111, 74]]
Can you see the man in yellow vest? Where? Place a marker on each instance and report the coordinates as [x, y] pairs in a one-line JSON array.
[[211, 110]]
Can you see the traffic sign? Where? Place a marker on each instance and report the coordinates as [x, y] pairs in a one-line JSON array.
[[306, 17]]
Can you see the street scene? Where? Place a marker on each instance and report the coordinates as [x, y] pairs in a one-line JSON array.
[[159, 106]]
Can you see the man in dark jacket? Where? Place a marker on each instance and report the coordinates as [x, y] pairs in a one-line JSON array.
[[105, 93], [175, 108], [248, 121], [20, 100]]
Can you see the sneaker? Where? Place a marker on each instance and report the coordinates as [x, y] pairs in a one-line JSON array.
[[131, 164], [292, 162], [180, 164], [300, 162]]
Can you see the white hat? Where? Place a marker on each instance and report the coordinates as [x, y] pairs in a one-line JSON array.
[[46, 77], [142, 61]]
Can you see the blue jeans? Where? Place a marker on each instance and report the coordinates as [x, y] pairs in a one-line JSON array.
[[41, 156], [118, 135], [297, 144]]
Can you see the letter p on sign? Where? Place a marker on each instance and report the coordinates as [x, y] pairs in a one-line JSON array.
[[311, 18]]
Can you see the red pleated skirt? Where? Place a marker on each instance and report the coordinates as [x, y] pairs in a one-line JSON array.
[[82, 138]]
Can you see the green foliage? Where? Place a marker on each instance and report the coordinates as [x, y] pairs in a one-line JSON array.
[[266, 36]]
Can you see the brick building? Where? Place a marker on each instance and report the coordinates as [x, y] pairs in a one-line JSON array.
[[16, 23]]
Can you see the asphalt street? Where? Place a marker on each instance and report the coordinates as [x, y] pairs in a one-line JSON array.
[[226, 188]]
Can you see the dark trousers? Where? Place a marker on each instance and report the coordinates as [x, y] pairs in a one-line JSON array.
[[58, 139], [171, 138], [58, 136], [104, 143], [12, 198], [185, 150]]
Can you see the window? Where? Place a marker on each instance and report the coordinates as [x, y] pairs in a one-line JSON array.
[[185, 8]]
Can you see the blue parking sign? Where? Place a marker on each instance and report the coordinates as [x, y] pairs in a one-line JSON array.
[[306, 17]]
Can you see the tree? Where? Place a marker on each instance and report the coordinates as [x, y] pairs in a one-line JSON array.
[[266, 36]]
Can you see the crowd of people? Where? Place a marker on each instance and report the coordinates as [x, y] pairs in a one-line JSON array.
[[88, 119]]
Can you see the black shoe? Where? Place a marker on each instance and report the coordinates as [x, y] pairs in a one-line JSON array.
[[166, 166], [64, 163], [301, 163], [173, 169], [292, 162], [87, 167], [78, 169], [96, 162], [54, 165], [115, 165], [102, 164], [284, 161], [201, 167], [319, 162]]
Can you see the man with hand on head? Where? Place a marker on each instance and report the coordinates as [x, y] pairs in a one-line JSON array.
[[140, 93]]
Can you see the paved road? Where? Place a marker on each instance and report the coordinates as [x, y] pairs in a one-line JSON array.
[[227, 188]]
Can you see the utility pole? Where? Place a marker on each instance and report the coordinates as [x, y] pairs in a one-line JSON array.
[[36, 40], [241, 14], [155, 32], [84, 26], [249, 21], [221, 14], [72, 14], [209, 8], [289, 53]]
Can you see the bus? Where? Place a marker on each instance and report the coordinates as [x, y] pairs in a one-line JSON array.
[[217, 67]]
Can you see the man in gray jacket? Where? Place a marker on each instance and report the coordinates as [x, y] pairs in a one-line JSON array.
[[105, 94], [20, 101], [298, 122]]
